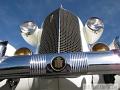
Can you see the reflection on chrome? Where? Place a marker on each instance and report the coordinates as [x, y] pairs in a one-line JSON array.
[[95, 23], [94, 28], [28, 27], [78, 63], [117, 42], [3, 46]]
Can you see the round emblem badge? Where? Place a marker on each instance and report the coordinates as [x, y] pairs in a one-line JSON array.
[[58, 63]]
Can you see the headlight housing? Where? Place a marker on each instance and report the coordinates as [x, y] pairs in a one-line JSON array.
[[93, 29]]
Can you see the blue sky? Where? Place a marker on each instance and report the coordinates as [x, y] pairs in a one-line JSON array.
[[14, 12]]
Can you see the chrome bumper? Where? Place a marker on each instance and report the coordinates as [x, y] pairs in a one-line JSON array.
[[60, 64]]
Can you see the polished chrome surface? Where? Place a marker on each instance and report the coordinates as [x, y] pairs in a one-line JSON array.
[[38, 65], [117, 42], [93, 29], [78, 63], [104, 62], [28, 27], [3, 46], [95, 23]]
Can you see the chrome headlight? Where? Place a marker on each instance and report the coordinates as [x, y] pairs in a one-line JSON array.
[[93, 29], [28, 27], [95, 23]]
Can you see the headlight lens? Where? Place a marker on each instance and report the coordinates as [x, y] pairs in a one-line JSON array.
[[28, 27], [95, 23]]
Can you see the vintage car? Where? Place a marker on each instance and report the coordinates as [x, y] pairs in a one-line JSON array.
[[67, 57]]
